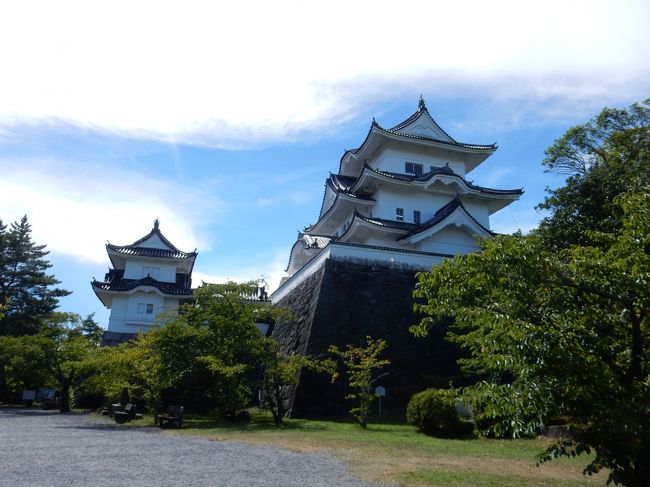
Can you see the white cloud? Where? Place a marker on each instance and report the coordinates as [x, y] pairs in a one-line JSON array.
[[241, 73], [75, 208]]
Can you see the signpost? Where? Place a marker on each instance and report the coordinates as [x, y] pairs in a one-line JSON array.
[[380, 392]]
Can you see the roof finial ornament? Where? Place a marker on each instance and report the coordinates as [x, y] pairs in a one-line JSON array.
[[421, 104], [156, 224]]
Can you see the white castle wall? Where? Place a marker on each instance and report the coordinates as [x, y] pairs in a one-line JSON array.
[[388, 199], [392, 158], [134, 270]]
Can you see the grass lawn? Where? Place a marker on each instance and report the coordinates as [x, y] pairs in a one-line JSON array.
[[396, 454]]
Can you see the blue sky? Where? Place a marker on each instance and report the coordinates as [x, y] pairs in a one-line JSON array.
[[224, 121]]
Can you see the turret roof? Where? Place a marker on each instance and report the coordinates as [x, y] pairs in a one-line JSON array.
[[136, 249], [437, 134]]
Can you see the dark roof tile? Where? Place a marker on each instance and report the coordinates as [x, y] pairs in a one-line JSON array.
[[130, 284]]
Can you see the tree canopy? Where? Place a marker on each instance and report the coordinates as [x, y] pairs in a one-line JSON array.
[[556, 322], [54, 355], [607, 156], [28, 294], [554, 334], [206, 356]]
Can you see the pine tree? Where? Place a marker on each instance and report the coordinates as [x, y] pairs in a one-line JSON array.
[[27, 292]]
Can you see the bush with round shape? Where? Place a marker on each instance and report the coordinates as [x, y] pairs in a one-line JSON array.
[[433, 412]]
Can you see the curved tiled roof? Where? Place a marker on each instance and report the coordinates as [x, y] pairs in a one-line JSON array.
[[422, 109], [336, 182], [381, 222], [150, 252], [133, 250], [446, 171], [441, 215], [130, 284], [487, 147]]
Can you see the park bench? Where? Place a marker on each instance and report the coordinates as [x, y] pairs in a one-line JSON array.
[[173, 416], [129, 413]]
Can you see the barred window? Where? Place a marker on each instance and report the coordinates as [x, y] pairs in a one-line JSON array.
[[413, 168]]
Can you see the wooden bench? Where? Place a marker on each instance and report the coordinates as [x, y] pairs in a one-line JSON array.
[[173, 416], [129, 413]]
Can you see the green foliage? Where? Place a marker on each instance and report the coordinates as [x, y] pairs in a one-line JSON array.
[[360, 363], [433, 412], [205, 357], [57, 352], [558, 334], [133, 365], [281, 371], [27, 292], [91, 329], [603, 158]]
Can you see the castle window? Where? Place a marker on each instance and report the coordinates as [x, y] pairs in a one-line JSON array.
[[399, 214], [416, 216], [140, 308], [149, 308], [412, 168]]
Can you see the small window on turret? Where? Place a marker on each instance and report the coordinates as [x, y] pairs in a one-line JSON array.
[[149, 308], [412, 168], [399, 214], [416, 216]]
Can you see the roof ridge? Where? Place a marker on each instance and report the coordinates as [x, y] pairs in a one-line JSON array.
[[155, 230]]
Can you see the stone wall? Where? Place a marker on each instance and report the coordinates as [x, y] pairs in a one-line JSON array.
[[342, 303]]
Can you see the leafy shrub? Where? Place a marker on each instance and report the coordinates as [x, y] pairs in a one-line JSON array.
[[433, 412]]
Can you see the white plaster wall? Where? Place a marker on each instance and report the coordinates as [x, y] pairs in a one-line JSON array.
[[154, 242], [124, 317], [117, 318], [391, 157], [386, 240], [171, 304], [479, 211], [449, 240], [388, 199], [133, 270]]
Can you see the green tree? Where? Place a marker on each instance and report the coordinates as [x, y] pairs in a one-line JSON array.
[[360, 364], [280, 372], [91, 329], [58, 350], [206, 356], [27, 292], [134, 365], [606, 157], [558, 334]]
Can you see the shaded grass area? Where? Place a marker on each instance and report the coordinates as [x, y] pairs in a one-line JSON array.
[[397, 455]]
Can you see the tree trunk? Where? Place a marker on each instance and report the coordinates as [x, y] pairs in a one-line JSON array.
[[65, 397], [4, 393]]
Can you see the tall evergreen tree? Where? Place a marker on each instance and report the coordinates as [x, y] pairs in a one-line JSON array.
[[27, 292]]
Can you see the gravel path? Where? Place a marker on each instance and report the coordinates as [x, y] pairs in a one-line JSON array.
[[42, 448]]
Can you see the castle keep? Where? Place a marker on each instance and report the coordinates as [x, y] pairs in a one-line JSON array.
[[399, 203]]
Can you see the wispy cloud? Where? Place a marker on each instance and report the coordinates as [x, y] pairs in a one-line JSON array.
[[75, 207], [239, 75]]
